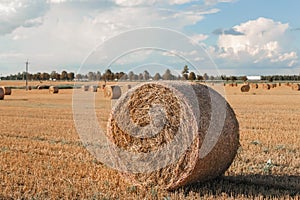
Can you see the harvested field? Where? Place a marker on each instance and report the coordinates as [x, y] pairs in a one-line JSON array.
[[42, 157]]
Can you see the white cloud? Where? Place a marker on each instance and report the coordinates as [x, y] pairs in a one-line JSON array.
[[213, 2], [263, 40], [16, 13]]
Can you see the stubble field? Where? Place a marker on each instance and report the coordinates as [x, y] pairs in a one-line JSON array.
[[41, 155]]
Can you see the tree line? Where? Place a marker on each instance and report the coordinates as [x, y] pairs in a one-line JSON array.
[[109, 75]]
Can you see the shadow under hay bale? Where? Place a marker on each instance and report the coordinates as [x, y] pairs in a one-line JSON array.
[[53, 90], [43, 87], [112, 91], [296, 87], [177, 119], [245, 88], [7, 90], [2, 93]]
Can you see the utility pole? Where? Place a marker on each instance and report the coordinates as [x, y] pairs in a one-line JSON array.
[[27, 63]]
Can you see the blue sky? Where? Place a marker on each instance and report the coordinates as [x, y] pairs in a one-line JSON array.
[[239, 37]]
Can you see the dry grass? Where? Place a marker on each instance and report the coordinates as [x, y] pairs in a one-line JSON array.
[[50, 163]]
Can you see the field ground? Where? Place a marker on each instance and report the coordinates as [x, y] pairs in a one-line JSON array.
[[41, 155]]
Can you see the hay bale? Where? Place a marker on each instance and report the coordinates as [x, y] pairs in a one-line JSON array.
[[266, 86], [254, 86], [296, 87], [85, 88], [94, 88], [29, 87], [2, 93], [279, 84], [7, 90], [112, 91], [190, 117], [53, 89], [245, 88]]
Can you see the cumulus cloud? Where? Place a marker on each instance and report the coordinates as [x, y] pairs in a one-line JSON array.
[[262, 40], [16, 13]]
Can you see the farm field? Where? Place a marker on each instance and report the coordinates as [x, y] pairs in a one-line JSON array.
[[41, 155]]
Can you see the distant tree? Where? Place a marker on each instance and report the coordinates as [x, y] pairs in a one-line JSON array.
[[205, 77], [192, 76], [91, 76], [131, 76], [141, 77], [146, 75], [233, 78], [212, 77], [45, 76], [71, 76], [157, 77], [270, 79], [64, 75], [185, 72], [78, 76], [199, 78], [244, 78], [98, 76], [167, 75]]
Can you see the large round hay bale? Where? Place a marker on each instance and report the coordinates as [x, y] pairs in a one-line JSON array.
[[189, 132], [2, 93], [53, 89], [94, 88], [85, 88], [296, 87], [112, 91], [245, 88], [7, 90]]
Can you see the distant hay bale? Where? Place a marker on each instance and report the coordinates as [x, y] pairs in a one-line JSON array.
[[296, 87], [7, 90], [266, 86], [112, 91], [29, 87], [94, 88], [254, 86], [2, 93], [279, 84], [85, 88], [273, 85], [179, 112], [245, 88], [53, 89], [287, 84]]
